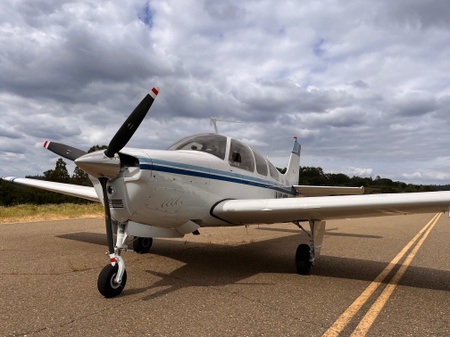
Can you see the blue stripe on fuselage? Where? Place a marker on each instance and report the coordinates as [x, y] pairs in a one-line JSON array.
[[204, 172]]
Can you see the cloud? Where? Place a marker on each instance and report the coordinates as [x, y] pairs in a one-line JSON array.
[[363, 84]]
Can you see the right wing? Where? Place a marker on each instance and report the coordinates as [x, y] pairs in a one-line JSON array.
[[253, 211], [84, 192]]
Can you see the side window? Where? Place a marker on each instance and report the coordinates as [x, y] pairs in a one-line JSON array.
[[241, 156], [273, 171], [261, 165]]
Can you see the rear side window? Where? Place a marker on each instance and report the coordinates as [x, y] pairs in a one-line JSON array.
[[241, 156], [273, 171], [261, 165]]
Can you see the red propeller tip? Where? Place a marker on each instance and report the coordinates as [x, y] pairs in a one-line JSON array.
[[154, 92]]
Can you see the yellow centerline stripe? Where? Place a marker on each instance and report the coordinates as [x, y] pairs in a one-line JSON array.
[[340, 324], [367, 321]]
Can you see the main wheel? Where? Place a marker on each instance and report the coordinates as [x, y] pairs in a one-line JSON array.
[[106, 284], [303, 259], [142, 245]]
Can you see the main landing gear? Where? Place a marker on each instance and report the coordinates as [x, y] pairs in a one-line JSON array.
[[113, 278], [142, 245], [306, 254]]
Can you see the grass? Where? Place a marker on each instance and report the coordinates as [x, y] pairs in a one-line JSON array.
[[26, 213]]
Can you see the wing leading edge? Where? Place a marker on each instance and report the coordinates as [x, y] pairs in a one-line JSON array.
[[84, 192], [332, 207]]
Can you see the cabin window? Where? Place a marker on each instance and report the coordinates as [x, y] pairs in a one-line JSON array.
[[210, 143], [273, 171], [261, 165], [241, 156]]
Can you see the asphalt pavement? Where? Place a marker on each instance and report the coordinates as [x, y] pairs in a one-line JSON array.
[[233, 281]]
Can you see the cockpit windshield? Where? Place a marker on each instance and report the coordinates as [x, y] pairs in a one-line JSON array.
[[210, 143], [239, 154]]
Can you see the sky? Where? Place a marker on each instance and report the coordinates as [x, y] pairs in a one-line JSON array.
[[364, 85]]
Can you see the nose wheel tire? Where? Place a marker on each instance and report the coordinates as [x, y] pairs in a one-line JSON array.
[[142, 245], [106, 284], [303, 259]]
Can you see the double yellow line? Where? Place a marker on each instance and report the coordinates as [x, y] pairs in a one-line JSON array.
[[367, 321]]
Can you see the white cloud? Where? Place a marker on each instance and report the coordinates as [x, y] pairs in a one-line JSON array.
[[362, 83]]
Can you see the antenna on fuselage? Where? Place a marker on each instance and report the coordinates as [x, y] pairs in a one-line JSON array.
[[214, 120]]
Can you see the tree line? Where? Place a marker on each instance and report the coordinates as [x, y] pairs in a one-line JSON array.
[[316, 176], [13, 194]]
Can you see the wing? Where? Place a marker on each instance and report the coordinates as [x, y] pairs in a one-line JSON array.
[[332, 207], [318, 191], [84, 192]]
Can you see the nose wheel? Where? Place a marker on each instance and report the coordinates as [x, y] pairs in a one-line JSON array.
[[107, 281]]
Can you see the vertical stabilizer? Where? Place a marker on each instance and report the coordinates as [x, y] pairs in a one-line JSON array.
[[293, 168]]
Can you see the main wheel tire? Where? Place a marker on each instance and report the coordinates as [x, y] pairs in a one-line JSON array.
[[142, 245], [303, 259], [106, 284]]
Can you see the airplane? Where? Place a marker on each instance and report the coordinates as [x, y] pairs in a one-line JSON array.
[[208, 180]]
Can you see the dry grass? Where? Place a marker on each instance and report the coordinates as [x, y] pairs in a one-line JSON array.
[[26, 213]]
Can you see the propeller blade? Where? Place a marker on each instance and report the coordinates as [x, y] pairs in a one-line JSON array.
[[63, 150], [108, 221], [130, 126]]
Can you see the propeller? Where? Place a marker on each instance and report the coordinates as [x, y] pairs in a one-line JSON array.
[[106, 165], [120, 139]]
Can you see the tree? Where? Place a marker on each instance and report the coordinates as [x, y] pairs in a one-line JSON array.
[[97, 147], [59, 174], [312, 176], [80, 177]]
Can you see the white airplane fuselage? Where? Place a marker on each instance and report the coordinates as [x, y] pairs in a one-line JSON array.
[[169, 188]]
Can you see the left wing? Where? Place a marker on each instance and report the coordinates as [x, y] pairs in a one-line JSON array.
[[268, 211], [84, 192]]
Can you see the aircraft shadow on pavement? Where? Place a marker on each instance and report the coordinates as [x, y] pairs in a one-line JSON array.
[[327, 232], [212, 264], [88, 237]]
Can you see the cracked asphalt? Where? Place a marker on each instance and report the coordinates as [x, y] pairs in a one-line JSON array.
[[227, 281]]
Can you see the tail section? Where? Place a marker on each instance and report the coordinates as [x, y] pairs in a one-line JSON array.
[[293, 168]]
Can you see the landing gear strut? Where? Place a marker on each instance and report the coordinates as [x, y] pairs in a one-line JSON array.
[[306, 254]]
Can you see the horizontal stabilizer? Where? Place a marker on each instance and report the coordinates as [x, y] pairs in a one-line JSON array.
[[320, 191]]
